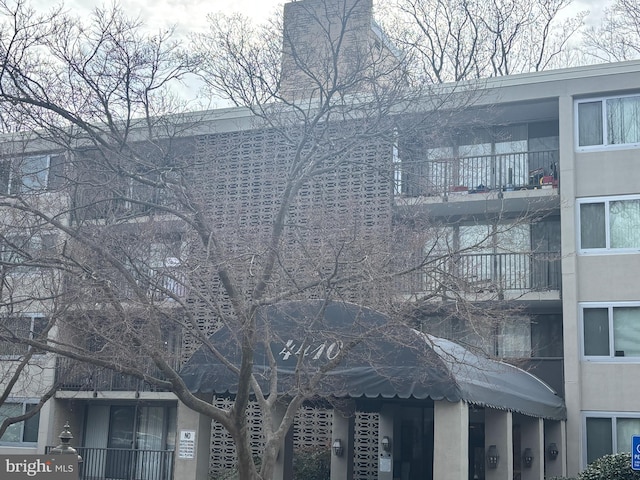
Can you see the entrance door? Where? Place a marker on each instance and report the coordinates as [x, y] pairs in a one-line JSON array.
[[415, 460], [120, 453]]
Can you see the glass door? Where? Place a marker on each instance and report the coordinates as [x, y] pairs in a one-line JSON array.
[[120, 444]]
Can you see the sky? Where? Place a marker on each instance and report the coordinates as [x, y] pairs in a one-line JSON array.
[[190, 15]]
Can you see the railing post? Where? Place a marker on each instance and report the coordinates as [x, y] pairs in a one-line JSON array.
[[65, 447]]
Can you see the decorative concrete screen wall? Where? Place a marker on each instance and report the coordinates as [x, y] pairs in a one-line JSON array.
[[312, 431]]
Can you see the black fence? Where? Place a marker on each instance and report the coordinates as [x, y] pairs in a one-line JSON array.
[[125, 464], [507, 171], [490, 272], [77, 376]]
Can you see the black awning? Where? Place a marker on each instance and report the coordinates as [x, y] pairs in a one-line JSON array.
[[384, 360]]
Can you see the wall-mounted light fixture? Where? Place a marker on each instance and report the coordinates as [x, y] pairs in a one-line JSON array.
[[492, 456], [527, 457], [337, 448], [386, 444], [553, 451]]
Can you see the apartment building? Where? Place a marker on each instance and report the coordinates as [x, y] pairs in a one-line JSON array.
[[534, 195]]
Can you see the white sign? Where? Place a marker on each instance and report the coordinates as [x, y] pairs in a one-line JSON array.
[[187, 444], [385, 465]]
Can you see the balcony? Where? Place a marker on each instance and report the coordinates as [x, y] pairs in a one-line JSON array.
[[490, 274], [478, 174], [125, 464], [76, 376]]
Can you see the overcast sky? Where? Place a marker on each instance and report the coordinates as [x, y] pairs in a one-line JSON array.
[[190, 15]]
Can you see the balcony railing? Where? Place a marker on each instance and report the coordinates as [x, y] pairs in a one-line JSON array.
[[491, 273], [125, 464], [506, 171], [76, 376]]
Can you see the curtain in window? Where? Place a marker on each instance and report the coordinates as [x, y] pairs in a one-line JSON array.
[[596, 331], [623, 119], [150, 436], [625, 429], [599, 438], [474, 165], [512, 162], [590, 123], [592, 225], [514, 340], [626, 331], [624, 224], [438, 174]]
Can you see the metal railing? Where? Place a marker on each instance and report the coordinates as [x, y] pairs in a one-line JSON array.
[[77, 376], [504, 171], [125, 464], [490, 273]]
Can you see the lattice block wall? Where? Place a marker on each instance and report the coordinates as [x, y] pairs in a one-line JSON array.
[[312, 430], [365, 456], [223, 451]]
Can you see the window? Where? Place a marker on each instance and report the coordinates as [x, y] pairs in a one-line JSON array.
[[23, 252], [609, 224], [609, 433], [611, 330], [608, 121], [25, 175], [21, 432], [24, 326]]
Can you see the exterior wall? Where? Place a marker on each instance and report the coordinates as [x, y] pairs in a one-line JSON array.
[[594, 385]]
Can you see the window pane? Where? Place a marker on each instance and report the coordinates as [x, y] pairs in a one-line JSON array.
[[599, 438], [625, 429], [592, 225], [623, 119], [514, 340], [33, 173], [596, 331], [19, 327], [590, 123], [624, 223], [31, 427], [14, 432], [626, 331]]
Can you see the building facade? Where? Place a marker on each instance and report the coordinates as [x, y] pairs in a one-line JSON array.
[[530, 205]]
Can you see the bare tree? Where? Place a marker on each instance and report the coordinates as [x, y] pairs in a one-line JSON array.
[[617, 37], [463, 39], [169, 226]]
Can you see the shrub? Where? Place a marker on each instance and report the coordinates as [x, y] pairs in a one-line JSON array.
[[610, 467], [312, 464]]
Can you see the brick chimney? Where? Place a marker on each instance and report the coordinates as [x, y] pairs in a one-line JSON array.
[[323, 40]]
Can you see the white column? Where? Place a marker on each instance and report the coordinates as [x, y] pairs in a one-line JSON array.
[[451, 440], [498, 431], [532, 437], [342, 431], [555, 432], [283, 468], [192, 427]]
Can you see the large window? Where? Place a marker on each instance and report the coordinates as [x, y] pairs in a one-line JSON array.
[[24, 253], [609, 433], [611, 330], [612, 223], [25, 175], [21, 432], [14, 328], [608, 121]]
